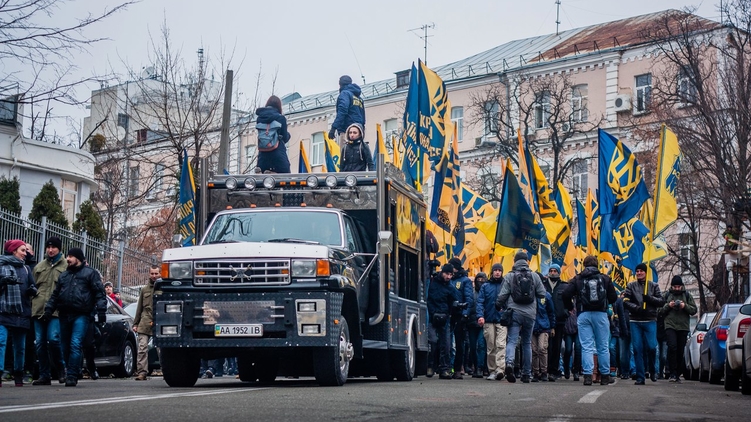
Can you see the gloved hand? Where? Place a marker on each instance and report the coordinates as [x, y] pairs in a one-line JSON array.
[[332, 134], [101, 318], [648, 299], [465, 318], [46, 317]]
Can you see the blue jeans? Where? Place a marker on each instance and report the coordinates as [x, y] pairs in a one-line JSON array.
[[624, 353], [72, 333], [644, 340], [521, 326], [19, 347], [594, 334], [613, 354], [47, 344]]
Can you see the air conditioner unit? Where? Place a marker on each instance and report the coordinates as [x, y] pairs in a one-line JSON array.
[[622, 102], [486, 143], [566, 127]]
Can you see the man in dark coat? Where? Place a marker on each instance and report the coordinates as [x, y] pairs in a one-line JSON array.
[[349, 109], [441, 295], [555, 286], [678, 308], [79, 294], [466, 295]]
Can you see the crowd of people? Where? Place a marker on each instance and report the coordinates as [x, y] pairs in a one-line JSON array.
[[540, 328]]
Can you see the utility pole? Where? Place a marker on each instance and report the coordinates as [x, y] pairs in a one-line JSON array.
[[424, 38], [557, 15], [226, 115]]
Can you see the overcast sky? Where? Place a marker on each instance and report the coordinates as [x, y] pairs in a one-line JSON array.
[[312, 43]]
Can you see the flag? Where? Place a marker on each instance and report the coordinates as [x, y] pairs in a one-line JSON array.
[[668, 173], [445, 206], [474, 209], [303, 165], [380, 147], [622, 190], [631, 240], [594, 221], [332, 154], [557, 230], [517, 227], [581, 218], [186, 204], [526, 179]]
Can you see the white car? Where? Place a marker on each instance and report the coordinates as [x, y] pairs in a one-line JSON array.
[[691, 351], [734, 349]]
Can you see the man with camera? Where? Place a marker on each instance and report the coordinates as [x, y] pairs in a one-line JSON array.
[[678, 308], [442, 295]]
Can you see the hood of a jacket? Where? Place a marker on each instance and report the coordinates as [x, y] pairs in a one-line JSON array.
[[520, 265], [588, 272], [358, 140], [267, 114], [353, 88]]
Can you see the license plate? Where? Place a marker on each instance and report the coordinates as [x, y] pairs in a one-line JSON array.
[[238, 330]]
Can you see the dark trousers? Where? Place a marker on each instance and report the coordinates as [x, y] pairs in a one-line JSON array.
[[440, 348], [554, 350], [460, 333], [676, 340], [572, 345], [474, 334]]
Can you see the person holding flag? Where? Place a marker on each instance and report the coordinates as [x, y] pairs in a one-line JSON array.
[[643, 308]]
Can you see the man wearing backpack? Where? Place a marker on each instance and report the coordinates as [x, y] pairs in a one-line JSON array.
[[519, 291], [593, 291]]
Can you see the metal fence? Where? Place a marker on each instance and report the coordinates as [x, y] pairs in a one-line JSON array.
[[124, 267]]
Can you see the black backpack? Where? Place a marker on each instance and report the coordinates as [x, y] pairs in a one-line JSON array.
[[523, 287], [592, 294]]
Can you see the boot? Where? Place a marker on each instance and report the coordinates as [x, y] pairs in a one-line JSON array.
[[596, 371], [18, 378]]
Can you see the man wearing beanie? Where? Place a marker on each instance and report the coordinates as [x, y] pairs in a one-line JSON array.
[[555, 286], [349, 109], [441, 295], [476, 359], [521, 287], [489, 318], [678, 308], [642, 299], [459, 320], [47, 333], [78, 294]]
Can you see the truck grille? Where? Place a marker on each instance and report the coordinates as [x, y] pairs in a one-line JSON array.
[[241, 272]]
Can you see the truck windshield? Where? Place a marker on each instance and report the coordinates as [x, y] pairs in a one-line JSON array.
[[276, 226]]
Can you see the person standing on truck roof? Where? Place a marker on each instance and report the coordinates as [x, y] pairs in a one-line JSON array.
[[356, 155], [276, 160], [349, 109]]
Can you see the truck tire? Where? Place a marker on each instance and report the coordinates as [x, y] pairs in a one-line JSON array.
[[180, 367], [331, 364], [404, 361], [246, 370], [127, 361]]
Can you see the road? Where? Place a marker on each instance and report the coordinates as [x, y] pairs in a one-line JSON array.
[[423, 399]]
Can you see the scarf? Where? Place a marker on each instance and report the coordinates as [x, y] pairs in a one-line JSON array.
[[10, 297]]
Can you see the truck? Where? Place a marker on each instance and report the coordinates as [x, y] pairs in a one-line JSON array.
[[319, 274]]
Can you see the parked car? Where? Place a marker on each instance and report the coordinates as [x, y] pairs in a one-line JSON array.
[[691, 351], [746, 356], [734, 349], [116, 346], [712, 349], [153, 352]]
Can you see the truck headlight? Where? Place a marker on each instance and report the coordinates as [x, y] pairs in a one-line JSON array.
[[173, 308], [303, 268], [180, 269]]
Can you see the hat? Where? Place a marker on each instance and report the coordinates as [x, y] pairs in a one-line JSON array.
[[676, 281], [115, 291], [109, 283], [55, 242], [448, 269], [345, 80], [13, 244], [521, 255], [641, 266], [555, 267], [76, 253], [456, 262], [497, 267], [481, 275]]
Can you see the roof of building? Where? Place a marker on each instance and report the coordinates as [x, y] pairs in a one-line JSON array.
[[516, 54]]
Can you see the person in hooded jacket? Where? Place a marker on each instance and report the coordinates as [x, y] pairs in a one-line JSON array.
[[544, 322], [356, 155], [555, 286], [441, 296], [275, 161], [678, 308], [349, 109], [16, 290], [489, 318], [476, 362], [466, 295]]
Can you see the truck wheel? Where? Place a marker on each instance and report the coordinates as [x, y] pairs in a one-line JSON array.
[[731, 378], [403, 361], [180, 367], [331, 364], [246, 370]]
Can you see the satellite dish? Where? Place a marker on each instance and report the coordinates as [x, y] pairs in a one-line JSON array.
[[120, 133], [148, 73]]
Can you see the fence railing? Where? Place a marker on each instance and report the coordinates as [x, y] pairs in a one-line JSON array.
[[126, 268]]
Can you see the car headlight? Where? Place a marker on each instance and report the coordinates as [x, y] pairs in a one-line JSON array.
[[181, 269], [303, 268]]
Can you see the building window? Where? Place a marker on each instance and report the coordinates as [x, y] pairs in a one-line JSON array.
[[579, 111], [156, 186], [542, 110], [643, 92], [251, 153], [686, 87], [133, 182], [402, 78], [457, 118], [68, 199], [122, 120], [687, 252], [316, 149], [491, 118], [580, 177]]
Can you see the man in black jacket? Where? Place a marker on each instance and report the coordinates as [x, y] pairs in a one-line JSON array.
[[642, 310], [441, 296], [79, 293], [555, 286]]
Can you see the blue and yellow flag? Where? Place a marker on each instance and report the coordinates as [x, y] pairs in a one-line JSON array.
[[517, 227], [622, 190], [668, 173], [631, 239], [445, 206], [303, 165], [581, 218], [186, 211], [333, 155], [474, 209], [380, 147]]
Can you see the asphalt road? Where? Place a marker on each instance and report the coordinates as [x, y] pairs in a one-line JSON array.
[[423, 399]]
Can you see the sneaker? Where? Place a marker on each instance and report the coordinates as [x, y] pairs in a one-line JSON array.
[[625, 376], [639, 382], [604, 379], [544, 377], [653, 377], [42, 381], [457, 376], [445, 375], [510, 374], [430, 373], [94, 375], [492, 376], [576, 377], [552, 378], [587, 379], [71, 382], [525, 379], [534, 379], [61, 376], [207, 374]]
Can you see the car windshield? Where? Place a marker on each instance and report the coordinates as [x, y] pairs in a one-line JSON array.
[[318, 227]]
